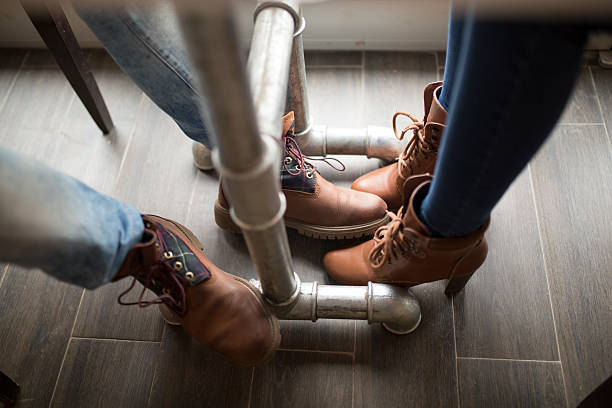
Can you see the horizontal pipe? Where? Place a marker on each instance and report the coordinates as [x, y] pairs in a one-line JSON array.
[[372, 141], [394, 306]]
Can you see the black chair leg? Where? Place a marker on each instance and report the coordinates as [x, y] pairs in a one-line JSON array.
[[51, 23], [9, 391]]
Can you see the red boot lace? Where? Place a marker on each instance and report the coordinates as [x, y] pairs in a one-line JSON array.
[[166, 298], [292, 148]]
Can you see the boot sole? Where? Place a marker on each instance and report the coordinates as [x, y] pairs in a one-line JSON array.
[[224, 221], [172, 319]]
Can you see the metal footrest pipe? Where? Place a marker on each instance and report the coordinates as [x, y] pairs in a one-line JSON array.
[[393, 306], [245, 113], [373, 141]]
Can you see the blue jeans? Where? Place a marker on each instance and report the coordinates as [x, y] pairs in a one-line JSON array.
[[505, 87], [52, 221], [56, 223], [146, 42]]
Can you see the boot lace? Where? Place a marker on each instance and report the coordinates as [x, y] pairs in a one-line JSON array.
[[393, 240], [417, 147], [147, 274], [292, 149]]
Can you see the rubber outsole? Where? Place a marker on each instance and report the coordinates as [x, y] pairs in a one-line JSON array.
[[224, 221]]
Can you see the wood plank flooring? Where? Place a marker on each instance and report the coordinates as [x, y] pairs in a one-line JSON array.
[[515, 383], [574, 195], [531, 329]]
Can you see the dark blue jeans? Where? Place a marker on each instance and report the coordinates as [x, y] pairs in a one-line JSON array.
[[505, 87]]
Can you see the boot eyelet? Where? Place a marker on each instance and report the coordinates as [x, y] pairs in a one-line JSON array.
[[148, 225], [309, 175], [168, 254], [297, 167], [288, 160], [153, 281], [189, 276], [165, 291], [178, 265], [157, 245]]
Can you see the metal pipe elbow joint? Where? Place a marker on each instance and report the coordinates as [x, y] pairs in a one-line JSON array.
[[394, 306]]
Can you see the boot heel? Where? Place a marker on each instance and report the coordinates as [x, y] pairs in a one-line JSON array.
[[466, 267], [455, 284], [224, 220]]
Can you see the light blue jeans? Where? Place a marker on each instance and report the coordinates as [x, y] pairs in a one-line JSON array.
[[52, 221]]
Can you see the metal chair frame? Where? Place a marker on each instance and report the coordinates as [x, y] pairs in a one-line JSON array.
[[245, 107]]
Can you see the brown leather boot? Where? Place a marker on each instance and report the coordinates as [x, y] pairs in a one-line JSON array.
[[419, 155], [403, 252], [315, 207], [221, 311]]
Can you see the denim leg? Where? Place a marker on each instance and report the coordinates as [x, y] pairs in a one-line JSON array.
[[453, 51], [51, 221], [511, 87], [146, 42]]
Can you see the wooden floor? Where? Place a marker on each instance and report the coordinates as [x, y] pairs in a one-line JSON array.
[[532, 329]]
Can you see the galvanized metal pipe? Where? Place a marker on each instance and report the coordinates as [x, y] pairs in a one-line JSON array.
[[373, 141], [248, 158], [393, 306], [269, 61], [297, 98], [247, 152]]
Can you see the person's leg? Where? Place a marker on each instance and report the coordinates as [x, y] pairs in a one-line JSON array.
[[453, 51], [146, 42], [512, 83], [52, 221]]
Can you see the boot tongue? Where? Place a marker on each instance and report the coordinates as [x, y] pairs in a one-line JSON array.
[[288, 124], [419, 185], [428, 95], [435, 112]]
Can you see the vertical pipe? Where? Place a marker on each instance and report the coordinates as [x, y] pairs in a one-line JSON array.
[[298, 95], [244, 116]]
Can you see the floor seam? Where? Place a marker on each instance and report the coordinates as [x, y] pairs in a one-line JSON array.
[[346, 353], [510, 360], [14, 80], [545, 264], [159, 352], [117, 340], [129, 143], [599, 105], [456, 355], [251, 388], [3, 276]]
